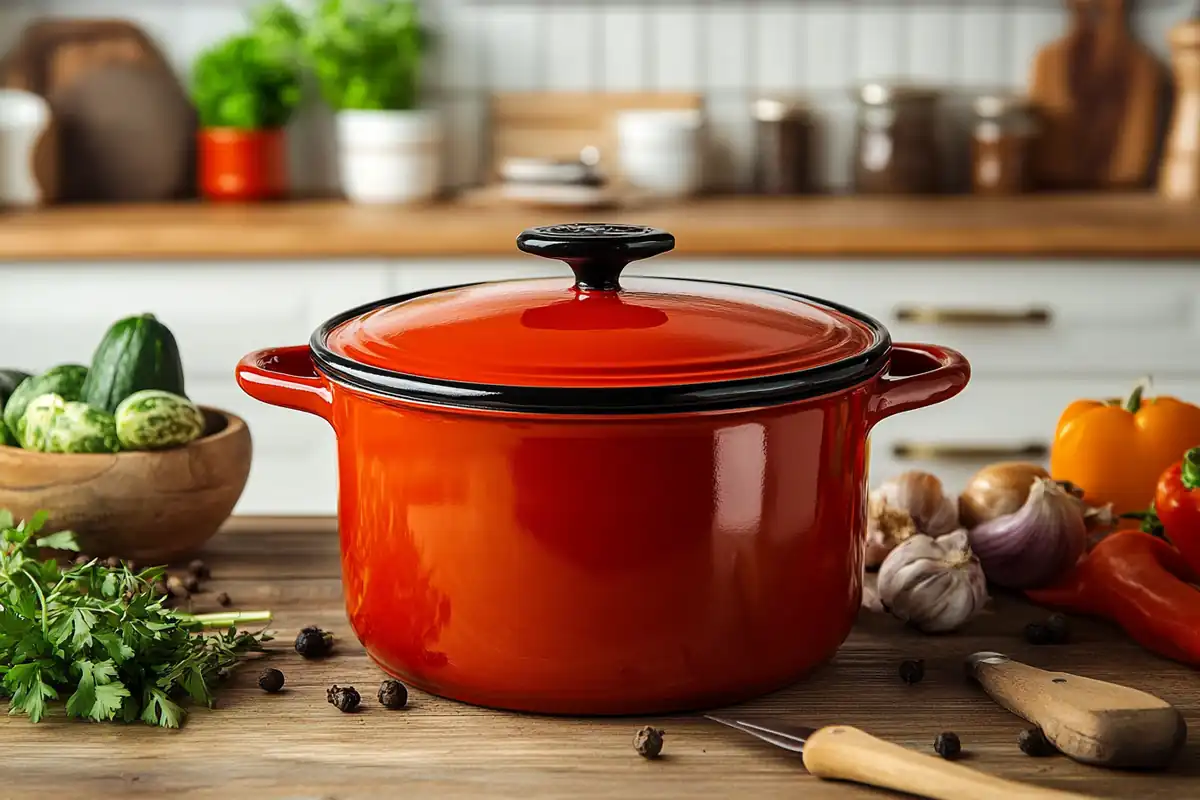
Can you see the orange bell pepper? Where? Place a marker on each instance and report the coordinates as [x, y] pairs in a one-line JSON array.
[[1115, 452]]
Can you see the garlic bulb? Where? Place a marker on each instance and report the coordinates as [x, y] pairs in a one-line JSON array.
[[886, 528], [935, 584], [1035, 544], [913, 502]]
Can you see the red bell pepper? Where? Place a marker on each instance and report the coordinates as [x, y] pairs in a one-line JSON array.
[[1141, 583], [1175, 512]]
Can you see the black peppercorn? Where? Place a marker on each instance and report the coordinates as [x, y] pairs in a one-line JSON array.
[[392, 694], [1033, 742], [1059, 627], [224, 599], [1039, 634], [112, 562], [947, 745], [199, 569], [81, 559], [912, 671], [192, 584], [648, 741], [131, 565], [312, 642], [345, 698], [271, 680]]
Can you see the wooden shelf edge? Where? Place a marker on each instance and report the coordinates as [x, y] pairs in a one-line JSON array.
[[1065, 226]]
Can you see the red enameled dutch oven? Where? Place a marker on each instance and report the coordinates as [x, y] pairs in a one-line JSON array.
[[617, 496]]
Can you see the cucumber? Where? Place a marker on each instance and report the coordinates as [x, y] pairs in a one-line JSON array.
[[154, 419], [10, 379], [136, 353], [54, 425], [65, 380]]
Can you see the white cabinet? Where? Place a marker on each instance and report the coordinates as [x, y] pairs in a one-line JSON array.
[[1038, 335]]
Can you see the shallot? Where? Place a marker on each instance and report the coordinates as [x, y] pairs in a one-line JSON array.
[[1035, 544], [997, 489]]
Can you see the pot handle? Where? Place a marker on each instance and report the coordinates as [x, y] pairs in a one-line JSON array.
[[285, 377], [919, 375]]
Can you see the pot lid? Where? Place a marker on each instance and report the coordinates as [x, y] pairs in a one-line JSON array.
[[603, 341]]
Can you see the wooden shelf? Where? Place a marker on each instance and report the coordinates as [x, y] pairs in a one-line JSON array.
[[1046, 226]]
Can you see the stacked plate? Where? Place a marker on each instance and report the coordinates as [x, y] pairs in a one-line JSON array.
[[570, 183]]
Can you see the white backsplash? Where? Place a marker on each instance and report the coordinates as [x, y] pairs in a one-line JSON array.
[[733, 50]]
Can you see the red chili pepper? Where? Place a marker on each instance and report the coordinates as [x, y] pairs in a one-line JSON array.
[[1175, 512], [1141, 583]]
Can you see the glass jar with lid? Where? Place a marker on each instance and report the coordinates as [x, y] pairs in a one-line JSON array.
[[1000, 144], [783, 146], [896, 145]]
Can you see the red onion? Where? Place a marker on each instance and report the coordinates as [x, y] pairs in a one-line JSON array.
[[1036, 543]]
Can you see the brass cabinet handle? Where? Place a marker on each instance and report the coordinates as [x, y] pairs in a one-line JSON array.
[[933, 315], [933, 451]]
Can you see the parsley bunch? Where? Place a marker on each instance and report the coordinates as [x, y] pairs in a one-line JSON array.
[[101, 637]]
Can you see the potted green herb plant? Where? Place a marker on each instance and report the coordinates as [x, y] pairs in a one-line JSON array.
[[367, 56], [245, 89]]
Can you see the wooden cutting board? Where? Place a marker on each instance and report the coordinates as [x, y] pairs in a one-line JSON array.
[[561, 124], [1099, 93], [125, 126]]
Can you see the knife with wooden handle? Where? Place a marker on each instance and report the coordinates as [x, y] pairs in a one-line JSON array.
[[1091, 721], [844, 753]]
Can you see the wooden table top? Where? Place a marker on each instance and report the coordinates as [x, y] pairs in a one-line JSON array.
[[1120, 225], [295, 745]]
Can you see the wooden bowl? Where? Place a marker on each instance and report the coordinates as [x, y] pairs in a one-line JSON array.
[[152, 506]]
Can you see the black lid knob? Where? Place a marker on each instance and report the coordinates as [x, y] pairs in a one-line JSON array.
[[596, 252]]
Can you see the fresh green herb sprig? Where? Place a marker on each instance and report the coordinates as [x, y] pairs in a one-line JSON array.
[[367, 54], [101, 638], [252, 80]]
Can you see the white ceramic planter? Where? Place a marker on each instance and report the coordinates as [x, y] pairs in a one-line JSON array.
[[389, 157]]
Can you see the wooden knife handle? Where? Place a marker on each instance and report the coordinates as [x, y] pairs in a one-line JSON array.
[[843, 753], [1089, 720]]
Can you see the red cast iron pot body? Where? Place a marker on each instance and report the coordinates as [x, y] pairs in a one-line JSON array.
[[600, 563]]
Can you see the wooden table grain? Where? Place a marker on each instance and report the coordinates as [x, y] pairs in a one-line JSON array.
[[295, 745], [1114, 225]]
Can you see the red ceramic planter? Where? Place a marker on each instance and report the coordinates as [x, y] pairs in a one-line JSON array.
[[619, 496], [242, 166]]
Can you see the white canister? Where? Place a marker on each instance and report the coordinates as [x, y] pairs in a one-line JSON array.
[[28, 160], [659, 150], [389, 157]]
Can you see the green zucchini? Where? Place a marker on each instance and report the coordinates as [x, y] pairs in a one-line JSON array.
[[136, 353], [10, 379], [65, 380], [154, 420]]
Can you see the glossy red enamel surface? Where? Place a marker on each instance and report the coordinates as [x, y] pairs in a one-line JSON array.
[[602, 565], [652, 332]]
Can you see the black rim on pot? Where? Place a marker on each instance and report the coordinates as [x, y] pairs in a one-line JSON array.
[[715, 396]]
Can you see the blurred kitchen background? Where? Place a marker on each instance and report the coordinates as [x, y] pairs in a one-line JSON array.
[[901, 156], [732, 52]]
